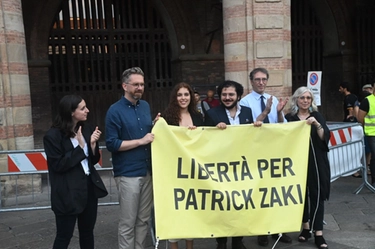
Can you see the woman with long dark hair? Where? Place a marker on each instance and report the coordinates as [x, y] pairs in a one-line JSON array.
[[182, 111], [303, 107], [72, 151], [182, 108]]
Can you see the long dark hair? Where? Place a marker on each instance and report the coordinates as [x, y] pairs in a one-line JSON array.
[[172, 112], [63, 120]]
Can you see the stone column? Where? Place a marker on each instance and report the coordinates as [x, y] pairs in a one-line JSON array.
[[15, 105], [257, 33]]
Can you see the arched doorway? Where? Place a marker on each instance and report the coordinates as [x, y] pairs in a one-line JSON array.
[[307, 44], [93, 42], [315, 48]]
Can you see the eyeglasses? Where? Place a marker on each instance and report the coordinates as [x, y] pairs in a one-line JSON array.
[[258, 80], [137, 85], [305, 97]]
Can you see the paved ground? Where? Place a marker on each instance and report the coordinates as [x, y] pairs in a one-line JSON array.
[[350, 224]]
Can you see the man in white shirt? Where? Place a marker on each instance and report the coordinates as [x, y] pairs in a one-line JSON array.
[[266, 108], [273, 108]]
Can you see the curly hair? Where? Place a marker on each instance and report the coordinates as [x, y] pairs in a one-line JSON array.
[[172, 112], [230, 83], [293, 107]]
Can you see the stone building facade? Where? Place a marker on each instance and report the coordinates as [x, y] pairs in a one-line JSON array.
[[46, 52]]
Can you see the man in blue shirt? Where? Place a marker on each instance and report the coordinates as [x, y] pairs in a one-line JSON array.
[[266, 108], [128, 138]]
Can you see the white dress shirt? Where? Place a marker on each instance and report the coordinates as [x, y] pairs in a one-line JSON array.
[[253, 99], [236, 119]]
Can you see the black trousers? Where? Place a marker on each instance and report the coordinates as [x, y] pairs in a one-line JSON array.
[[235, 240], [86, 222]]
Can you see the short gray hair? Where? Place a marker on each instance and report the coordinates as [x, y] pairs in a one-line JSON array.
[[130, 71]]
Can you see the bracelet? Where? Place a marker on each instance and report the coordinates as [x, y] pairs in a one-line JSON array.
[[319, 127]]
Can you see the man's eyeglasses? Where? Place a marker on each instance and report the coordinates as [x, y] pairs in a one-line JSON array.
[[305, 97], [137, 85], [258, 80]]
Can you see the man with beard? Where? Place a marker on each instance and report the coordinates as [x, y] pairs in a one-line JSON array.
[[229, 112], [128, 138], [269, 109]]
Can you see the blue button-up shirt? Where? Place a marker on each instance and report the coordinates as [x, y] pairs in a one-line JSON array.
[[125, 121]]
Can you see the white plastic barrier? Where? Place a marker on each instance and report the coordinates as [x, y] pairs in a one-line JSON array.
[[347, 153]]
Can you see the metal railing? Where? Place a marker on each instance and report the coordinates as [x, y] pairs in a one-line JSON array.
[[30, 190], [349, 157]]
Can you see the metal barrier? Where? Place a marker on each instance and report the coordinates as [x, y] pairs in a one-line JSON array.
[[347, 152], [34, 192]]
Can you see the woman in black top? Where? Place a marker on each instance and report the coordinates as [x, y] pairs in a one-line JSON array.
[[72, 151], [303, 107], [182, 111], [182, 108]]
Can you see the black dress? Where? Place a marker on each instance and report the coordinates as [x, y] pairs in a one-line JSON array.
[[318, 185]]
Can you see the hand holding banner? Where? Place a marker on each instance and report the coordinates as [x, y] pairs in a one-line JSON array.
[[240, 181]]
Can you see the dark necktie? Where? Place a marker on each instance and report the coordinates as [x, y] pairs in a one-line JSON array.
[[262, 107]]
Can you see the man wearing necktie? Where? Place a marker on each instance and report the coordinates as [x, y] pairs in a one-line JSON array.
[[263, 105], [268, 109]]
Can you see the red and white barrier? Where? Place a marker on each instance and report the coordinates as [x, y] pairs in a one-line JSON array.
[[27, 162], [36, 161], [345, 149], [340, 136]]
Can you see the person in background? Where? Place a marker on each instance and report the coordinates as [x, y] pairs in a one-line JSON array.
[[269, 109], [362, 95], [72, 150], [366, 116], [202, 105], [349, 102], [367, 88], [181, 111], [210, 99], [128, 138], [303, 107], [230, 112]]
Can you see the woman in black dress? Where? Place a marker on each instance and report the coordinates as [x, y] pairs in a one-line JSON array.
[[303, 107]]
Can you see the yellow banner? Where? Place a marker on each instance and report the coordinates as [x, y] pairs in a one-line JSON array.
[[241, 181]]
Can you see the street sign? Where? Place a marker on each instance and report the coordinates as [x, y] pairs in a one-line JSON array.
[[313, 83]]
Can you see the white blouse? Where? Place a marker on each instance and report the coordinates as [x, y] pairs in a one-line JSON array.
[[84, 162]]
